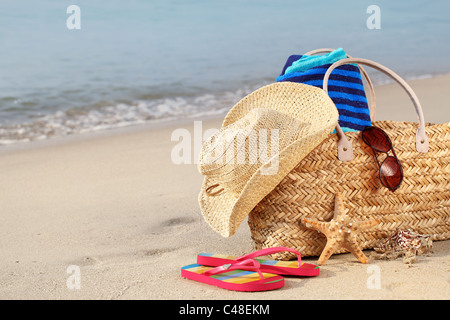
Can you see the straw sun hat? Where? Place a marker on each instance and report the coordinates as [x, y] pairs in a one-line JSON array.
[[263, 137]]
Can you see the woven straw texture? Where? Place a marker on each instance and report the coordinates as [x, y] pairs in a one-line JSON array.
[[237, 151], [422, 203]]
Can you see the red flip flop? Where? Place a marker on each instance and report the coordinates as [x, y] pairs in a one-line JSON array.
[[243, 275], [292, 268]]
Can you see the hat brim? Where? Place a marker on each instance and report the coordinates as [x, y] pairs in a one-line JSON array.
[[225, 211]]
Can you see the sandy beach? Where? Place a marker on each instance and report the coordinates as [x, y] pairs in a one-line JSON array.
[[114, 210]]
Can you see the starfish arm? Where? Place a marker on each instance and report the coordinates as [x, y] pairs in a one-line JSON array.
[[353, 247], [329, 249], [317, 225], [338, 206]]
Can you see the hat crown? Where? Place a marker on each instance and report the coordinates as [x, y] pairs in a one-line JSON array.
[[234, 153]]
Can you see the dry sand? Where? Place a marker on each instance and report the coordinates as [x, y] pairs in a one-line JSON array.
[[115, 206]]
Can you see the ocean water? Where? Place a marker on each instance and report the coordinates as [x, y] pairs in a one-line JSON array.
[[141, 61]]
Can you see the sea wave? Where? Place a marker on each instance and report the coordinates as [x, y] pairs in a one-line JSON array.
[[122, 114]]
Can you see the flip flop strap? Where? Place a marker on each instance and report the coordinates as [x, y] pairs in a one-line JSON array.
[[269, 251], [246, 265]]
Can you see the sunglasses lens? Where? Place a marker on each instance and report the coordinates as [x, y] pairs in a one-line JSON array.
[[376, 138], [391, 174]]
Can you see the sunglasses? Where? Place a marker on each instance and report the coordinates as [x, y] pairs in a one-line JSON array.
[[391, 172]]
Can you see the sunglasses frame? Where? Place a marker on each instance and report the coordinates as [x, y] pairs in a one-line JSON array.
[[391, 148]]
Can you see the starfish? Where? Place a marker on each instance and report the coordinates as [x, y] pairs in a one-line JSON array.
[[341, 232]]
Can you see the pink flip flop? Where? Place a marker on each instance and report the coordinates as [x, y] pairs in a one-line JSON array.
[[292, 268], [239, 276]]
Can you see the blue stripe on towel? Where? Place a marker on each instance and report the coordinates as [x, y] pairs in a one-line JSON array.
[[337, 84], [347, 90], [350, 108], [350, 117], [350, 97], [297, 77], [346, 124]]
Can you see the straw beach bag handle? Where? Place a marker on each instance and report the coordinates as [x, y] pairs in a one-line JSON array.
[[345, 149], [363, 72]]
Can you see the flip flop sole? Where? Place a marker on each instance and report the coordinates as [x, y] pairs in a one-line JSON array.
[[272, 266], [236, 280]]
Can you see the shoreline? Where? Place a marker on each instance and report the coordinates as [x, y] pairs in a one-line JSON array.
[[73, 138], [423, 87]]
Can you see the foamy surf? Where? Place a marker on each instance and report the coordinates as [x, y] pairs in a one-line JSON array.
[[84, 120]]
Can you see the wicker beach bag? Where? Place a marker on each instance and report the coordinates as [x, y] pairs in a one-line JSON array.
[[344, 164]]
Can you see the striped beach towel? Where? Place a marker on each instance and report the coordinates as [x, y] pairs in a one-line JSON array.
[[345, 86]]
